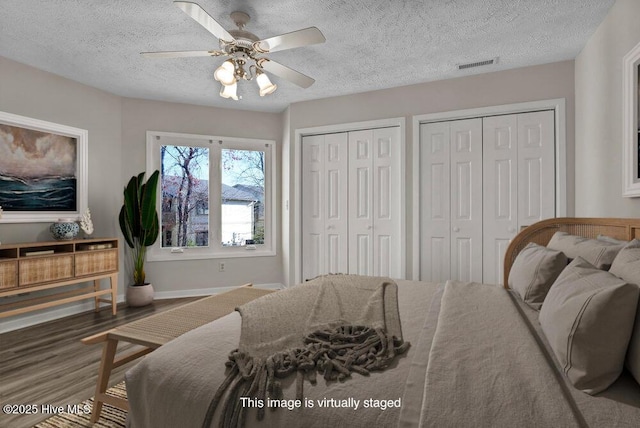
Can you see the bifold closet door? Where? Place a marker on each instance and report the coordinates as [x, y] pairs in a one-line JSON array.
[[451, 200], [324, 205], [519, 181], [374, 202]]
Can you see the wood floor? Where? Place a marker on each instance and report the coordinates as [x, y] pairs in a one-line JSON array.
[[47, 364]]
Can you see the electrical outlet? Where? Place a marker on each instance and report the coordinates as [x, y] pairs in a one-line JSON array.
[[221, 266]]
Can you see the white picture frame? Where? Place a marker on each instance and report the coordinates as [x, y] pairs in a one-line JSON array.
[[631, 123], [12, 125]]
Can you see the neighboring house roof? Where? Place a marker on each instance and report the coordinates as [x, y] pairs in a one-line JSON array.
[[239, 192], [256, 191]]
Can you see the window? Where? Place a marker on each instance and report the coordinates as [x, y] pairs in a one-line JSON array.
[[215, 196]]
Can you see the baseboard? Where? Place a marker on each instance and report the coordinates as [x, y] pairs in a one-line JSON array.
[[23, 321]]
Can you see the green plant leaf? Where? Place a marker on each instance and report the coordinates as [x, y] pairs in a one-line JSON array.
[[126, 232], [131, 206], [148, 212], [139, 221]]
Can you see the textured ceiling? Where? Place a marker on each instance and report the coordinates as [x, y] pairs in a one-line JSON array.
[[370, 44]]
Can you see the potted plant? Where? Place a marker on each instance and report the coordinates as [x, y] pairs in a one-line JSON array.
[[139, 224]]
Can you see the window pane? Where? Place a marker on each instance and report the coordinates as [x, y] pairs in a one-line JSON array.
[[185, 196], [242, 197]]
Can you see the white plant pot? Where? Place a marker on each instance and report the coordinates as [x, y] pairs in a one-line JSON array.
[[139, 295]]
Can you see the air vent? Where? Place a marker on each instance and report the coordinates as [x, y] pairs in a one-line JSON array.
[[478, 63]]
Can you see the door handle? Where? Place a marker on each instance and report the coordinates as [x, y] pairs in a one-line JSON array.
[[511, 229], [456, 229]]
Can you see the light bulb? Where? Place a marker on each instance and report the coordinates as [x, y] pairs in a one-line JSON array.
[[229, 91], [225, 74], [266, 87]]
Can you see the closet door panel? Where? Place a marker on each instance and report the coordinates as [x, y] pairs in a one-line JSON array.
[[324, 205], [361, 146], [435, 213], [337, 217], [313, 211], [466, 200], [500, 192], [386, 202], [536, 166]]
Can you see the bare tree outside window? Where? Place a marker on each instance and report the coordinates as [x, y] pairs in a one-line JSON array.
[[185, 195]]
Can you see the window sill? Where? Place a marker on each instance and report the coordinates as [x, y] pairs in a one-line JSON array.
[[189, 254]]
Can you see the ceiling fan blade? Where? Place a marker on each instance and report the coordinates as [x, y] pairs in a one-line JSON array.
[[285, 72], [295, 39], [180, 54], [203, 18]]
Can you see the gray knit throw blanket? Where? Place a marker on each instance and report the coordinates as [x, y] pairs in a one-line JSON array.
[[333, 325]]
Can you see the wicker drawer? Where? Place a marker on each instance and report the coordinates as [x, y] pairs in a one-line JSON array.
[[89, 263], [45, 269], [8, 274]]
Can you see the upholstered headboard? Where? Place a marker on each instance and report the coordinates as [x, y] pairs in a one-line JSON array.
[[541, 233]]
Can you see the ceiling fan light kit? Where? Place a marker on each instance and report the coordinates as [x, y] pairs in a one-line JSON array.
[[225, 74], [245, 51], [229, 91], [265, 85]]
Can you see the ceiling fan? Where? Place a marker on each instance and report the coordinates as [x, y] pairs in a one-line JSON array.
[[245, 52]]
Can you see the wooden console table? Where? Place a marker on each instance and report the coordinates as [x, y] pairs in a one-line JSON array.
[[29, 267]]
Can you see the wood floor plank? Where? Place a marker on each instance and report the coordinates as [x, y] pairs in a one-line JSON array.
[[47, 363]]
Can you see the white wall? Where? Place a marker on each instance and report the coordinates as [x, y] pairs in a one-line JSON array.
[[513, 86], [598, 90]]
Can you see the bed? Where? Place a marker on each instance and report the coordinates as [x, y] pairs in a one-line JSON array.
[[480, 355]]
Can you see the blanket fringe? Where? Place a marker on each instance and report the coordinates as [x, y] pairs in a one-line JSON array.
[[336, 353]]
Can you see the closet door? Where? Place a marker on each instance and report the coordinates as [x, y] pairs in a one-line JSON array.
[[386, 210], [435, 221], [361, 202], [324, 205], [536, 167], [451, 195], [500, 171], [519, 181], [466, 200], [374, 202]]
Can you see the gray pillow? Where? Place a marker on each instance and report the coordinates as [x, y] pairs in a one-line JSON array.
[[611, 239], [588, 316], [534, 271], [598, 253], [627, 266]]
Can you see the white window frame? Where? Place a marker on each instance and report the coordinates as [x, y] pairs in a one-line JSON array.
[[631, 123], [156, 252]]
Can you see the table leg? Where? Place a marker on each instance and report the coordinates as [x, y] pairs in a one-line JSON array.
[[113, 279], [96, 287]]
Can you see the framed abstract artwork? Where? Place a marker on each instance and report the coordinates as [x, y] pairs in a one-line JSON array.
[[43, 170], [631, 123]]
